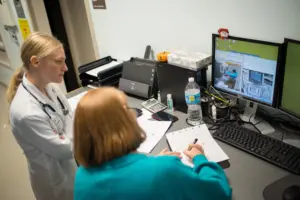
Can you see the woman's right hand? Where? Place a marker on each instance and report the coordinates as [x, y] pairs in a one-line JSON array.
[[194, 150]]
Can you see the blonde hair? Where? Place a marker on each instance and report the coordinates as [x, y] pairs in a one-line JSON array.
[[104, 128], [36, 44]]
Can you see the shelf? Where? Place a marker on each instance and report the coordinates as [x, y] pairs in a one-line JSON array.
[[2, 48], [4, 61]]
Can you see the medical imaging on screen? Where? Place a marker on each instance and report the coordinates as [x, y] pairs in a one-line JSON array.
[[245, 69]]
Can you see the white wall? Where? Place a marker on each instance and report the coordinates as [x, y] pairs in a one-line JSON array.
[[127, 26]]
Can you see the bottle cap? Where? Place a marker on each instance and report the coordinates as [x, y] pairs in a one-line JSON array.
[[191, 79], [169, 96]]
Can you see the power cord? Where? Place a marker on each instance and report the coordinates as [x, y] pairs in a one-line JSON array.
[[287, 129]]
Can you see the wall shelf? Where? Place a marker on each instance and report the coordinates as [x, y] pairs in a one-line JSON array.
[[2, 48], [4, 61]]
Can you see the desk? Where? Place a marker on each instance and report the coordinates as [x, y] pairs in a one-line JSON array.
[[248, 175]]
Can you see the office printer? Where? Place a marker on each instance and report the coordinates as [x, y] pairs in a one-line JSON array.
[[103, 72], [139, 78]]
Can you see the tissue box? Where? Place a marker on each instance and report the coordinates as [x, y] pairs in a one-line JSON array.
[[194, 61]]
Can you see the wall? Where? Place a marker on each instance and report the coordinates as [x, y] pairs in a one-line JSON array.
[[79, 29], [40, 23], [12, 49], [126, 27]]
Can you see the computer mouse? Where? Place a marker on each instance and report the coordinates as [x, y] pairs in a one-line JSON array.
[[291, 193]]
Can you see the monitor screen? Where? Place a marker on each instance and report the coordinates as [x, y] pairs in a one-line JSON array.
[[255, 77], [245, 67], [290, 100]]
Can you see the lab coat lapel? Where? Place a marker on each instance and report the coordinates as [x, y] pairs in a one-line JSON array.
[[53, 95]]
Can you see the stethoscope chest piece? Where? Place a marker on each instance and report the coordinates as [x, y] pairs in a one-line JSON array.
[[65, 112]]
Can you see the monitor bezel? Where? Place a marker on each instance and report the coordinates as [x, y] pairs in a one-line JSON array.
[[275, 99], [282, 71]]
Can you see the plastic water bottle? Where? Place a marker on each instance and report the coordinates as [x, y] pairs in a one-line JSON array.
[[193, 101], [158, 97]]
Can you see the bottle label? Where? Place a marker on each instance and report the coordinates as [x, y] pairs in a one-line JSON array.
[[170, 104], [192, 99]]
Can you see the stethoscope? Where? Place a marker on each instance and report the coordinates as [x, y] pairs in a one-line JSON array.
[[47, 106]]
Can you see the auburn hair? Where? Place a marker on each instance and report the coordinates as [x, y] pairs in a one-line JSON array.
[[104, 127]]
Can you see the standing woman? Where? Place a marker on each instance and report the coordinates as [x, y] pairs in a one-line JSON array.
[[41, 118]]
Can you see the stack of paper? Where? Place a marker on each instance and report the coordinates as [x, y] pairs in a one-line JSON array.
[[94, 72], [73, 101], [179, 141], [154, 130]]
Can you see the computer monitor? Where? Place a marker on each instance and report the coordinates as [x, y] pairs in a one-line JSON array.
[[245, 67], [289, 100]]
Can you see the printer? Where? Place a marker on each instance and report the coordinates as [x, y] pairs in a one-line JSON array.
[[103, 72], [139, 78]]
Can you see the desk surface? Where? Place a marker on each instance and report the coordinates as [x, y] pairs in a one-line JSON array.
[[248, 175]]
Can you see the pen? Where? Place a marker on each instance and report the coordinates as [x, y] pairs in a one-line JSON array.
[[195, 141]]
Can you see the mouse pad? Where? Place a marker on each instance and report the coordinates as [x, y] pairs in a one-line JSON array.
[[275, 190]]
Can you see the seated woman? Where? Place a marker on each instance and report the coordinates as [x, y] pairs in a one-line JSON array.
[[106, 140]]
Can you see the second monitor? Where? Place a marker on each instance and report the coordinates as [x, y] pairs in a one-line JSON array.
[[246, 67]]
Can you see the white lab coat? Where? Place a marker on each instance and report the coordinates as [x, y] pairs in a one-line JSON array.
[[50, 158]]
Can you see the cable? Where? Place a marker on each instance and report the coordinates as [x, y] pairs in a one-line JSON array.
[[221, 98], [212, 128], [217, 92], [276, 117], [282, 135], [287, 129], [251, 117]]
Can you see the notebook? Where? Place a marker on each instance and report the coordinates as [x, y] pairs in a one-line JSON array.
[[179, 141], [73, 101], [154, 131]]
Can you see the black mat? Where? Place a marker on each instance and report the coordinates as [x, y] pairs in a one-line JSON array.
[[275, 190]]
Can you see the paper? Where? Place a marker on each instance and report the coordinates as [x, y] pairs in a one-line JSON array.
[[180, 140], [145, 116], [94, 72], [24, 28], [154, 130], [73, 101]]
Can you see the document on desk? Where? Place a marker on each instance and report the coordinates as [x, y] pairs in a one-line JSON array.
[[94, 72], [73, 101], [179, 141], [154, 131]]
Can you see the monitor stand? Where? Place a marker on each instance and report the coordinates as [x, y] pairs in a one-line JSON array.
[[250, 116], [275, 190]]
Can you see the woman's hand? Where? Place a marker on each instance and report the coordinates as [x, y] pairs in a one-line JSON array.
[[166, 152], [194, 150]]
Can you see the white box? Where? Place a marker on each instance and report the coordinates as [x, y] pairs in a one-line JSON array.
[[190, 61]]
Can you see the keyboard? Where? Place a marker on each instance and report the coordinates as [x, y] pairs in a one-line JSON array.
[[266, 148]]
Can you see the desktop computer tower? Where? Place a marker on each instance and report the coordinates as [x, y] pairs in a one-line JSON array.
[[173, 80]]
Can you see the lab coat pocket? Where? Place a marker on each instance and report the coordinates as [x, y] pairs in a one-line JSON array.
[[62, 178], [56, 171]]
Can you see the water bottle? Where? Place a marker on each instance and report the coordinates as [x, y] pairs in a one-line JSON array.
[[193, 101]]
